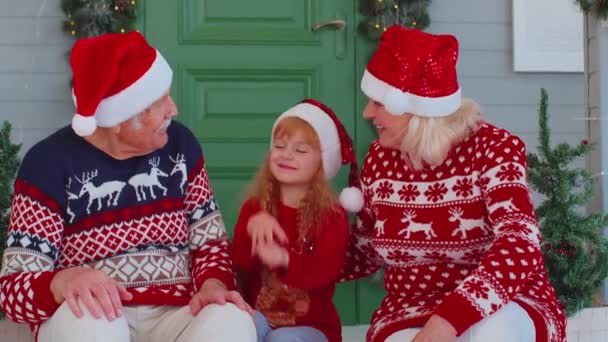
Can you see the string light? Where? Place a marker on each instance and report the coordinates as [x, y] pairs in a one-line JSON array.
[[122, 30], [73, 32], [116, 8], [133, 2]]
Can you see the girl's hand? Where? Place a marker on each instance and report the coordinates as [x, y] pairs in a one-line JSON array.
[[263, 228], [273, 255]]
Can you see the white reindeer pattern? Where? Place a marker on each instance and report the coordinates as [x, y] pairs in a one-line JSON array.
[[506, 205], [107, 189], [379, 226], [150, 180], [71, 196], [464, 225], [408, 217], [180, 166]]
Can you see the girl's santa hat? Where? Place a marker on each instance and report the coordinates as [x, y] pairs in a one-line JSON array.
[[115, 77], [414, 72], [336, 147]]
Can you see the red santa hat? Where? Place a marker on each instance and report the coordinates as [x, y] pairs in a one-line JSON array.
[[336, 147], [115, 77], [414, 72]]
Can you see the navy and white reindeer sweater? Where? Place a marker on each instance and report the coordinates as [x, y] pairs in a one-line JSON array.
[[151, 223]]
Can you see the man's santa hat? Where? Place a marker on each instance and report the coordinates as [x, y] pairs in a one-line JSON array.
[[414, 72], [115, 77], [336, 147]]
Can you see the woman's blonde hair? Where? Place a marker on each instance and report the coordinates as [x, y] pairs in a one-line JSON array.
[[428, 140], [320, 197]]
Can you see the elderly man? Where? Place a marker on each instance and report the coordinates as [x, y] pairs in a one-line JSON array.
[[114, 233]]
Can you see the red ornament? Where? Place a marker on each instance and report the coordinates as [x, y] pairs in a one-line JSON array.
[[585, 142]]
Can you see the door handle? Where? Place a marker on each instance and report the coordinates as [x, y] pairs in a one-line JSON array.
[[337, 23]]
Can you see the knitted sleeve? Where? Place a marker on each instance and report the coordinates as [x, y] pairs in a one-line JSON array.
[[35, 230], [515, 253], [242, 257], [209, 244], [362, 259]]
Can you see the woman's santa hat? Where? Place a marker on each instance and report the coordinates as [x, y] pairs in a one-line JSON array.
[[115, 77], [336, 147], [414, 72]]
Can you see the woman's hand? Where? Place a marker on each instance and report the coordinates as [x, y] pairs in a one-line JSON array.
[[263, 228], [436, 329]]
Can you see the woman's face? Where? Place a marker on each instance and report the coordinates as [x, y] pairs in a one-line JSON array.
[[391, 129]]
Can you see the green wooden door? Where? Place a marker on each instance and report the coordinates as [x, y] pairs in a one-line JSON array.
[[240, 63]]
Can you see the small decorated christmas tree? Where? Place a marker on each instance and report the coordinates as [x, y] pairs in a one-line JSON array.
[[9, 162], [575, 251]]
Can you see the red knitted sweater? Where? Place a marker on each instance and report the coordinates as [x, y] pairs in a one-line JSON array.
[[302, 294], [459, 240]]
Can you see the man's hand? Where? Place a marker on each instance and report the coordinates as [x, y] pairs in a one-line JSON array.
[[436, 329], [100, 294], [214, 291], [263, 228], [273, 255]]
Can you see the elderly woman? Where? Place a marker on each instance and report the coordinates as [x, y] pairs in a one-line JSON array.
[[447, 210]]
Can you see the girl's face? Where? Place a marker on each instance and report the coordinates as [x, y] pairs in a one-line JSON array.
[[294, 160]]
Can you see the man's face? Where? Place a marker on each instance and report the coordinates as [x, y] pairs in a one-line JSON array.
[[147, 132]]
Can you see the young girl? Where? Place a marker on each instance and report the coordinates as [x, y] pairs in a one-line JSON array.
[[291, 236]]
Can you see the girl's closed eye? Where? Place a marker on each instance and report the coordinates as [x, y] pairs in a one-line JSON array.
[[303, 148], [279, 144]]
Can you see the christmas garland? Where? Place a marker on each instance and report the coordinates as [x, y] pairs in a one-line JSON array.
[[382, 14], [574, 249], [90, 18], [597, 7]]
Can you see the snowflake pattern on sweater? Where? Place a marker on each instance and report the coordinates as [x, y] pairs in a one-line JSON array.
[[150, 222], [459, 240]]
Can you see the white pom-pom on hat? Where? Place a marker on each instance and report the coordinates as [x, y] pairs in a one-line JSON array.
[[84, 125], [351, 199]]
